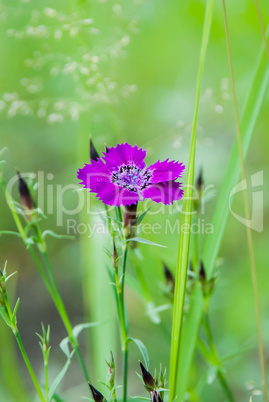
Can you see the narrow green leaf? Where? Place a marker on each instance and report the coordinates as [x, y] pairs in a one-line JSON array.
[[5, 316], [52, 234], [78, 328], [10, 276], [142, 349], [65, 347], [142, 215], [153, 310], [9, 232], [184, 238], [145, 241], [59, 377], [56, 398], [253, 103], [212, 374], [14, 319]]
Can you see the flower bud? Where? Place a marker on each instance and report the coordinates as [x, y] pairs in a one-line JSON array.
[[147, 378], [202, 273], [155, 397], [2, 289], [111, 371], [115, 257], [207, 285], [200, 182], [161, 379], [25, 196], [93, 153], [97, 396], [170, 281], [199, 188]]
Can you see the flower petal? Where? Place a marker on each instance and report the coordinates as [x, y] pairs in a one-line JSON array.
[[165, 192], [124, 154], [111, 194], [165, 171], [91, 175]]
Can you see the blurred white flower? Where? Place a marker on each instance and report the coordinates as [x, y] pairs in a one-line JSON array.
[[55, 118]]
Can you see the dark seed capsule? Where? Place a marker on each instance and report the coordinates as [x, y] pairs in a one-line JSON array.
[[147, 378], [97, 396], [200, 181], [25, 196], [202, 273], [93, 153], [170, 281]]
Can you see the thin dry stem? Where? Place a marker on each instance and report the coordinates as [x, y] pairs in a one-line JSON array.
[[247, 214], [262, 27]]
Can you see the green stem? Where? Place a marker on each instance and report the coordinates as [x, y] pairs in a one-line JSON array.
[[124, 259], [247, 210], [125, 342], [63, 313], [28, 364], [125, 371], [184, 239], [118, 213], [46, 380], [53, 290], [56, 297], [110, 228], [114, 398], [59, 302], [225, 386], [216, 360], [122, 318], [13, 326]]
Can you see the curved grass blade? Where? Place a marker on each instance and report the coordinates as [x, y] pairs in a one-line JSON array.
[[247, 210], [253, 103], [184, 239]]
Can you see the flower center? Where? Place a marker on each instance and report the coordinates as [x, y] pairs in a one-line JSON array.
[[131, 177]]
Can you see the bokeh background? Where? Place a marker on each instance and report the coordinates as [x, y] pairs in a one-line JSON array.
[[125, 72]]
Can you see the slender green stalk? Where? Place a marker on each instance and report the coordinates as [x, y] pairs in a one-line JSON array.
[[12, 323], [124, 259], [46, 379], [63, 313], [28, 364], [210, 355], [125, 345], [254, 99], [9, 368], [119, 297], [56, 297], [216, 360], [59, 302], [247, 213], [122, 319], [184, 239], [262, 27], [52, 287], [225, 386]]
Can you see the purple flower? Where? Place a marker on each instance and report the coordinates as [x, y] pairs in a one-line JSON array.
[[121, 177]]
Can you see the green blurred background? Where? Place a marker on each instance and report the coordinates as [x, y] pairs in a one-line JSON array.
[[125, 72]]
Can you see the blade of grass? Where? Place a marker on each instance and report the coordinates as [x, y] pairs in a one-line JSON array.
[[254, 100], [248, 120], [184, 239], [247, 210], [96, 292], [262, 27]]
